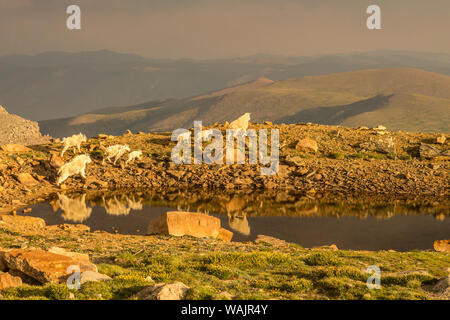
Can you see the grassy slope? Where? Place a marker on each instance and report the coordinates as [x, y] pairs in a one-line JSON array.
[[243, 270]]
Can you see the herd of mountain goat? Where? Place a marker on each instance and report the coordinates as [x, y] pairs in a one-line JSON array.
[[77, 166], [112, 154]]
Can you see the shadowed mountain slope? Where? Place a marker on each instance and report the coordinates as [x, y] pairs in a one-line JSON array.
[[53, 85], [399, 98]]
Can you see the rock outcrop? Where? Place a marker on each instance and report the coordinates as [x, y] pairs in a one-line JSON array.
[[17, 130]]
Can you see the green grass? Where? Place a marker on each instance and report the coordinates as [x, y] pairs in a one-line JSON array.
[[258, 274]]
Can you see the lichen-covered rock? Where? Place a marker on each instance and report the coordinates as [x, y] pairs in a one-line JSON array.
[[8, 281], [307, 145], [23, 221], [56, 161], [163, 291], [429, 151], [44, 266], [225, 235], [442, 245], [441, 139], [442, 288], [92, 276], [26, 179], [10, 147], [261, 238], [382, 145]]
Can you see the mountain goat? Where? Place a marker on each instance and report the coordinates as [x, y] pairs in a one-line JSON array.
[[116, 152], [76, 166], [241, 122], [74, 141], [133, 155]]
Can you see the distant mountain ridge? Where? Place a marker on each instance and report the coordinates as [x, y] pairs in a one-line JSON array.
[[399, 98], [61, 84]]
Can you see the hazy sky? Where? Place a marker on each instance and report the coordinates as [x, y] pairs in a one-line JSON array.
[[224, 28]]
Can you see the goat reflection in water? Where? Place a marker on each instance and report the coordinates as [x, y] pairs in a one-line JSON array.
[[75, 209], [237, 218]]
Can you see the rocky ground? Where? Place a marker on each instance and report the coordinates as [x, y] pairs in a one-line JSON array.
[[316, 162]]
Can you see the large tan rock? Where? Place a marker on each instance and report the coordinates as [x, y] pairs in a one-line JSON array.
[[162, 291], [56, 161], [261, 238], [441, 139], [8, 281], [382, 145], [92, 276], [225, 235], [429, 151], [442, 288], [80, 258], [14, 148], [44, 266], [307, 145], [442, 245], [179, 223], [23, 221], [3, 266], [26, 179]]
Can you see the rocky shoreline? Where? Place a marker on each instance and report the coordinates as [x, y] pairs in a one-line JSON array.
[[339, 164]]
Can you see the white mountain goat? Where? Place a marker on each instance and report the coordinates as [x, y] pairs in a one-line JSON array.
[[116, 152], [241, 122], [133, 155], [74, 141], [76, 166]]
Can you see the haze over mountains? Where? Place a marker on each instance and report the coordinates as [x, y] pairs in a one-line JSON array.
[[399, 98], [58, 84]]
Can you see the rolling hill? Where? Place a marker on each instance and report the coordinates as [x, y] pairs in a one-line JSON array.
[[53, 85], [399, 98]]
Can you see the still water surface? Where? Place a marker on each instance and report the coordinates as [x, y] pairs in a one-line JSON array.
[[309, 222]]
